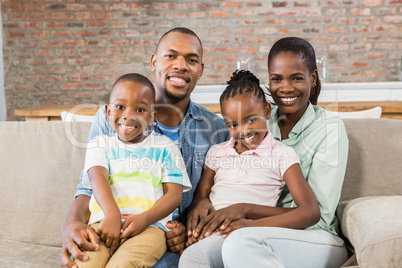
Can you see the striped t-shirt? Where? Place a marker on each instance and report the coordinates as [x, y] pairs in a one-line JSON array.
[[136, 172]]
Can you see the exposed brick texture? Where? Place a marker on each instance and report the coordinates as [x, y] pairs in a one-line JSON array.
[[67, 52]]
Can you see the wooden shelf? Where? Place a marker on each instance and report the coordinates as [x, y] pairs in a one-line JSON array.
[[390, 109]]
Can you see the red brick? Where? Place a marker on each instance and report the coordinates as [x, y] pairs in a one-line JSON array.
[[106, 15], [30, 24], [60, 34], [334, 30], [357, 11], [93, 86], [84, 33], [220, 14], [40, 34], [76, 6], [33, 7], [275, 22], [70, 86], [253, 4], [53, 24], [361, 64], [198, 14], [245, 13], [95, 23], [124, 42], [74, 43], [84, 15], [372, 3], [62, 16], [232, 4], [98, 43], [16, 34], [223, 49], [79, 77], [42, 52], [373, 73]]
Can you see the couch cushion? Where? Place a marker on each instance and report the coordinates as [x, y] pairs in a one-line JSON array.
[[24, 255], [40, 169], [375, 153], [373, 225]]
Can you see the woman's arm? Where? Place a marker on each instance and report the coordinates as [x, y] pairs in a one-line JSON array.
[[170, 200]]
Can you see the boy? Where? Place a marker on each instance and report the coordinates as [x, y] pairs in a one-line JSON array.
[[136, 177]]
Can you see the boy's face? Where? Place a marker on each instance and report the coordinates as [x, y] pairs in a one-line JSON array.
[[178, 66], [245, 117], [130, 110]]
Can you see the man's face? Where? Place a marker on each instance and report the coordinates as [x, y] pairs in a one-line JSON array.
[[178, 66]]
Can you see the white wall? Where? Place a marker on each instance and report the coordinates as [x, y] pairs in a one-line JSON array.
[[2, 98]]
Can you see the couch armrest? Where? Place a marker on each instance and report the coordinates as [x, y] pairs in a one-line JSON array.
[[373, 225]]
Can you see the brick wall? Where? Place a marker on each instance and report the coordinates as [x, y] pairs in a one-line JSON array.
[[70, 52]]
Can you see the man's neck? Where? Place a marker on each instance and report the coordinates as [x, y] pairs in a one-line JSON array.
[[171, 114]]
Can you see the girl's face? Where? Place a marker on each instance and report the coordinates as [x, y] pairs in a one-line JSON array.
[[290, 83], [245, 117]]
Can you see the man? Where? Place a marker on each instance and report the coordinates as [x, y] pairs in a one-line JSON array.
[[177, 63]]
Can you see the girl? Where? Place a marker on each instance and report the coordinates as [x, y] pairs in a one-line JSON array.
[[252, 168], [319, 138]]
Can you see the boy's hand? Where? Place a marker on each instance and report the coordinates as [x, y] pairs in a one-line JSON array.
[[134, 225], [176, 237], [109, 231], [198, 214]]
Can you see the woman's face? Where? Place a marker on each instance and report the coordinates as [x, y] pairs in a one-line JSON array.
[[290, 83]]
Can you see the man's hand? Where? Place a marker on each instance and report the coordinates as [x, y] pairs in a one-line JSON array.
[[77, 236], [176, 237]]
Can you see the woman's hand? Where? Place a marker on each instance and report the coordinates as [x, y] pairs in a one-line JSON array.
[[109, 231], [199, 211], [221, 219], [233, 226]]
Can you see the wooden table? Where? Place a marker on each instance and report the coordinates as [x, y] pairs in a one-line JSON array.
[[390, 109]]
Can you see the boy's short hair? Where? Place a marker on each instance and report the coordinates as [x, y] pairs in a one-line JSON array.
[[137, 78]]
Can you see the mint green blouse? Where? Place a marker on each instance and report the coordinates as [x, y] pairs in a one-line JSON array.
[[320, 140]]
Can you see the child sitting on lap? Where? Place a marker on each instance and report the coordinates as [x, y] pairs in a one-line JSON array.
[[137, 178]]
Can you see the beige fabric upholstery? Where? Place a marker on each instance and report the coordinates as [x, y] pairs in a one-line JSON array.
[[41, 163], [374, 227], [40, 170]]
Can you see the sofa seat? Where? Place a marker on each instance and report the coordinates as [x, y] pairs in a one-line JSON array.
[[21, 254]]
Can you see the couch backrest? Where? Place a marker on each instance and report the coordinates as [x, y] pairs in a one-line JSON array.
[[375, 158], [49, 156], [40, 167]]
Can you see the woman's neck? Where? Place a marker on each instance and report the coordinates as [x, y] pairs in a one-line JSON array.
[[286, 122]]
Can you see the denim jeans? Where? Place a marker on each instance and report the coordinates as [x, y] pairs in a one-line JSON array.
[[168, 260], [282, 247]]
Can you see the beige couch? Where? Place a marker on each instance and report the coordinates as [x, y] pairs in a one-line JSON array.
[[41, 163]]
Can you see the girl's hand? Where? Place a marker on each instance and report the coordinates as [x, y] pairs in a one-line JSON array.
[[202, 209], [220, 219], [109, 231], [234, 225], [134, 225]]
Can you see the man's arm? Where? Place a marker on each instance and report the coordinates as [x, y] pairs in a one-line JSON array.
[[77, 235]]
